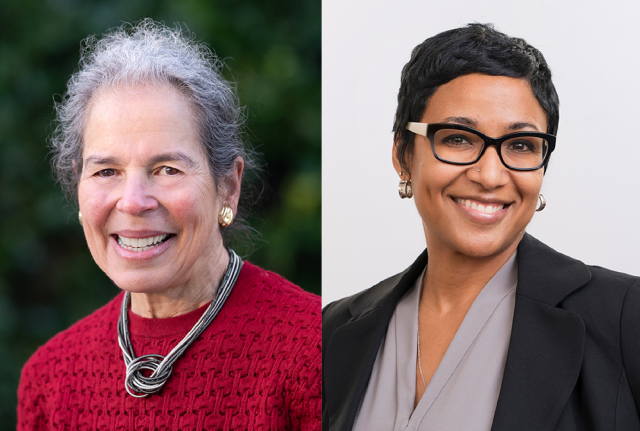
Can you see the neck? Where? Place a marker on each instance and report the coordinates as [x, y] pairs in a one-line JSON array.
[[183, 298], [453, 281]]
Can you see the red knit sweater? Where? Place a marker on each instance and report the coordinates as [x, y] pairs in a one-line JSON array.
[[256, 367]]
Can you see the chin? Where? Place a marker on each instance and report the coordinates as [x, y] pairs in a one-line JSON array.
[[139, 283], [485, 246]]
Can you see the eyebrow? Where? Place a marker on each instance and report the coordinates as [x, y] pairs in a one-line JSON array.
[[461, 120], [160, 158], [173, 157], [469, 122], [523, 125], [98, 160]]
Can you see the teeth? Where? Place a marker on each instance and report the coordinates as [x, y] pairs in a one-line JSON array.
[[140, 244], [487, 209]]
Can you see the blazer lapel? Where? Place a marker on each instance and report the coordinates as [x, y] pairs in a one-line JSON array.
[[546, 345], [351, 351]]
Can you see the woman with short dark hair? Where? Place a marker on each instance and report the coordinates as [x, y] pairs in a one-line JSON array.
[[149, 144], [489, 329]]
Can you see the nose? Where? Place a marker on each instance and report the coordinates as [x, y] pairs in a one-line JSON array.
[[489, 170], [136, 197]]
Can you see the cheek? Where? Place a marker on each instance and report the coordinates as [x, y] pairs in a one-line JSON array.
[[529, 187], [195, 205], [428, 187], [532, 185], [432, 178], [95, 205]]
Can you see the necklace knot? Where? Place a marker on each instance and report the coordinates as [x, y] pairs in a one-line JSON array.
[[158, 368], [137, 384]]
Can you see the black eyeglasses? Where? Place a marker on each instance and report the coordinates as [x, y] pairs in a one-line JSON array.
[[462, 145]]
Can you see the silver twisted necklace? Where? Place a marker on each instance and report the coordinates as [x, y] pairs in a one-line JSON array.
[[136, 384]]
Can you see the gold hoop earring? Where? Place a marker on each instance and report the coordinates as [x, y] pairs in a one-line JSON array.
[[542, 202], [80, 217], [225, 216]]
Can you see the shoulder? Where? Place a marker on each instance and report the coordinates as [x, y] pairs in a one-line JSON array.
[[605, 302], [388, 291], [608, 300], [51, 360], [550, 277], [267, 303], [76, 336], [599, 296], [343, 310], [606, 290], [275, 291], [283, 318], [346, 309], [611, 279]]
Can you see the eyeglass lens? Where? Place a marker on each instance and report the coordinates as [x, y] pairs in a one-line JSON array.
[[460, 146]]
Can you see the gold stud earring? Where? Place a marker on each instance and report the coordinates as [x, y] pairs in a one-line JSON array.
[[542, 202], [225, 216], [80, 217]]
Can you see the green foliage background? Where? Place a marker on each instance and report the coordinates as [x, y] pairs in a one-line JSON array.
[[48, 279]]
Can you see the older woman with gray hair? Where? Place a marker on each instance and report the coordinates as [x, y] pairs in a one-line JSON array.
[[149, 145]]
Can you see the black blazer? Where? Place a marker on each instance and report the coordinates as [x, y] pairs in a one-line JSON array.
[[574, 355]]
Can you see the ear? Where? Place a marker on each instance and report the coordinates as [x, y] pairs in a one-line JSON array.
[[394, 158], [234, 184]]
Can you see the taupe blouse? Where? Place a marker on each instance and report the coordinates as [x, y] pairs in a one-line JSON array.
[[464, 389]]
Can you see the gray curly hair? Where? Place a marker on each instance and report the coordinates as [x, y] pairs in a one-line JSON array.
[[152, 53]]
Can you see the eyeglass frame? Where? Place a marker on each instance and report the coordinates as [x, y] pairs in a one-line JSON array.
[[428, 130]]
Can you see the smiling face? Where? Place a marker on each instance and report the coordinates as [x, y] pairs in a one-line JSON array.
[[147, 197], [480, 210]]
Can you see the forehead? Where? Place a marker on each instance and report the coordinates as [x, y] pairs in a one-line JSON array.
[[144, 119], [484, 99]]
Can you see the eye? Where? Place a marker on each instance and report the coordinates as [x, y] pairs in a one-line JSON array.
[[521, 146], [455, 140], [105, 173], [168, 170]]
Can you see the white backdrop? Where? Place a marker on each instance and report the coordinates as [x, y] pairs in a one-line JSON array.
[[591, 186]]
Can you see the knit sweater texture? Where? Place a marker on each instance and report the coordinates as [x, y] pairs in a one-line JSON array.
[[256, 367]]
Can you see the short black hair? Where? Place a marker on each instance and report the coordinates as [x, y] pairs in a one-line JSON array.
[[476, 48]]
